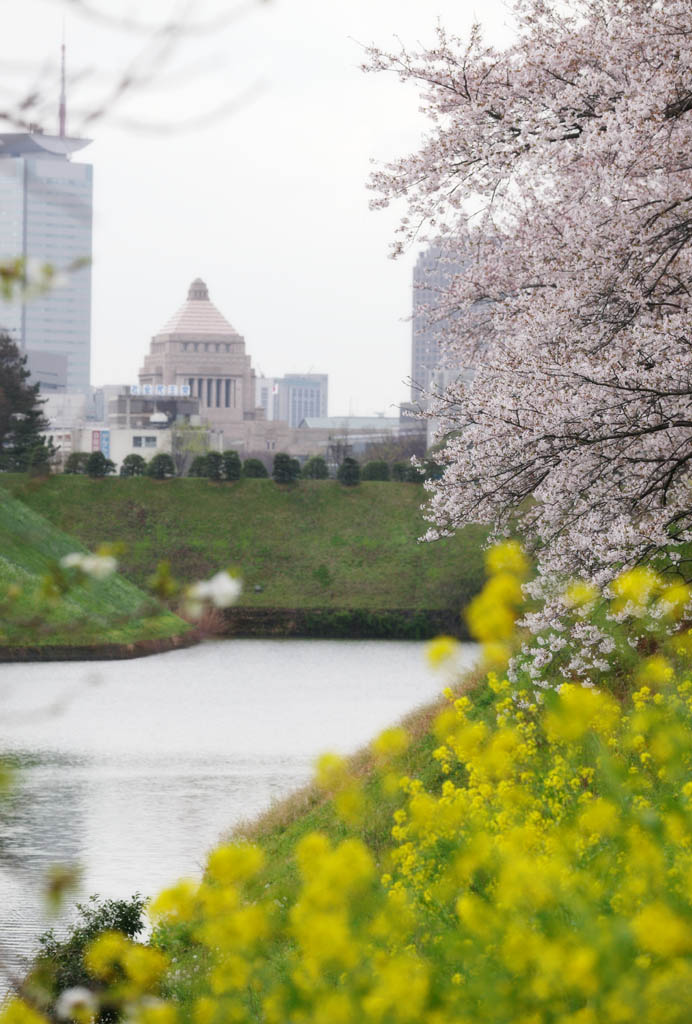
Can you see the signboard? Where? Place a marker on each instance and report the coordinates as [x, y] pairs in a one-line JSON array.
[[161, 390], [101, 442]]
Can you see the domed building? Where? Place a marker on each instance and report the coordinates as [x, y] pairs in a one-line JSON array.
[[198, 349]]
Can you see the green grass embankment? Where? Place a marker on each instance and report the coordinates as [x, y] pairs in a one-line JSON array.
[[111, 616], [341, 558]]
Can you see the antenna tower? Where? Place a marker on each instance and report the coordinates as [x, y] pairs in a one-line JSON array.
[[62, 112]]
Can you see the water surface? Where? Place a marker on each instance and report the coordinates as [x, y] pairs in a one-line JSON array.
[[134, 769]]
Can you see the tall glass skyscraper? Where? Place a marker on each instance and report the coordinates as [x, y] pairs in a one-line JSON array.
[[46, 218]]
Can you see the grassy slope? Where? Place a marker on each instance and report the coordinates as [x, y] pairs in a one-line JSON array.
[[111, 611], [314, 545], [280, 829]]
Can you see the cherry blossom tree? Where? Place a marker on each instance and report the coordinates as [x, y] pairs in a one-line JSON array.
[[558, 171]]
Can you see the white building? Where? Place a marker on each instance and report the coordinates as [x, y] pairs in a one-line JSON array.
[[45, 219]]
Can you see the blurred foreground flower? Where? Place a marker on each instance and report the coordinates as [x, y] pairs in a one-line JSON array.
[[76, 1004], [98, 567], [222, 590]]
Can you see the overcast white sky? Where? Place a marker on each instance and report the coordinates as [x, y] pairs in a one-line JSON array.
[[268, 204]]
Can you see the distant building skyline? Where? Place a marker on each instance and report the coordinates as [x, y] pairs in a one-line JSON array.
[[294, 397], [46, 204], [432, 274]]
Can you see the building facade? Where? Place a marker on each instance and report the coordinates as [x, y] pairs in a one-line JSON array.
[[199, 353], [293, 397], [432, 275], [46, 219]]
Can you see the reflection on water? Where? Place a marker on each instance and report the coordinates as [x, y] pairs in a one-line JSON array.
[[148, 762]]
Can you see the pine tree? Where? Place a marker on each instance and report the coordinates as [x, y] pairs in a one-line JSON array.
[[22, 423]]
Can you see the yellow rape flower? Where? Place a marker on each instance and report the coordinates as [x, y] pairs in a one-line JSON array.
[[391, 743], [656, 670], [331, 772], [16, 1011], [442, 649], [235, 863], [179, 903], [580, 594], [659, 930], [507, 556], [600, 818], [143, 965], [636, 586], [579, 711], [350, 804], [105, 954]]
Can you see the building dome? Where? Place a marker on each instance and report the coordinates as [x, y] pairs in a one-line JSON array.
[[199, 316], [198, 290]]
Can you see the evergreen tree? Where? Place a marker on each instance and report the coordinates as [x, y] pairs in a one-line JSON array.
[[254, 468], [97, 465], [349, 472], [199, 467], [76, 463], [377, 469], [214, 462], [133, 465], [161, 466], [22, 423], [286, 470], [232, 466], [315, 468]]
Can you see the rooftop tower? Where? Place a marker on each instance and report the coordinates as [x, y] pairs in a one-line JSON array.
[[46, 218]]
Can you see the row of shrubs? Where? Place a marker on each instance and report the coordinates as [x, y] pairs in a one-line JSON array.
[[286, 470], [96, 464], [228, 466]]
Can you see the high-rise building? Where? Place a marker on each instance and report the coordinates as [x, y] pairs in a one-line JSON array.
[[432, 274], [45, 219], [294, 397]]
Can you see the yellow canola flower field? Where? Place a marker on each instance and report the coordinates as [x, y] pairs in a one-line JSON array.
[[543, 876]]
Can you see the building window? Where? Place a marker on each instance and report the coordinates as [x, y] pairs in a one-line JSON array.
[[227, 393], [218, 394], [150, 442], [209, 392], [137, 442], [200, 389]]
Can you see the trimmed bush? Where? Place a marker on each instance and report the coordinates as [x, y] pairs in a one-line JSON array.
[[76, 463], [198, 466], [254, 468], [97, 465], [161, 466], [349, 472], [315, 468], [286, 470], [214, 465], [133, 465], [376, 470], [232, 466]]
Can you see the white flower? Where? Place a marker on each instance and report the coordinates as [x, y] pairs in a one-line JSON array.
[[72, 561], [222, 590], [96, 566], [76, 1004], [99, 566]]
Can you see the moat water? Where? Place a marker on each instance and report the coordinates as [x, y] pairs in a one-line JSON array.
[[132, 770]]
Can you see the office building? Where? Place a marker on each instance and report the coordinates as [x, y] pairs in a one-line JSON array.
[[430, 372], [45, 220], [293, 397]]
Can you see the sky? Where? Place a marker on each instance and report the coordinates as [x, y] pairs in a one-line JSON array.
[[243, 159]]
